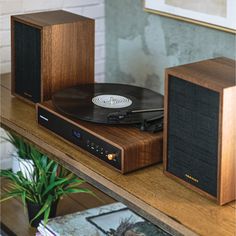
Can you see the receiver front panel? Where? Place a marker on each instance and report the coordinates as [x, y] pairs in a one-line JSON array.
[[193, 134], [78, 136]]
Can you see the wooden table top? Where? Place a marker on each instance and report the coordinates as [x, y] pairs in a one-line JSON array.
[[148, 191]]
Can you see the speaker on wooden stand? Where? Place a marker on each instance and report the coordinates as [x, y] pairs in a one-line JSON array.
[[200, 127], [50, 51]]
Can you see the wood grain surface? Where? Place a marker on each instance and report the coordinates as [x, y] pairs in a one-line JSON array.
[[219, 75], [227, 181], [138, 149], [67, 49], [215, 74], [149, 192], [47, 18]]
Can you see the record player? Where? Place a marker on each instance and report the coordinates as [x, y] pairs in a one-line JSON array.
[[101, 118]]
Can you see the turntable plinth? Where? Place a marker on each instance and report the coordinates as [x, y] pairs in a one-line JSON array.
[[122, 147]]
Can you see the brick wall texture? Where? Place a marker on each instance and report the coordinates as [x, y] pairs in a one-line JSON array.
[[90, 8]]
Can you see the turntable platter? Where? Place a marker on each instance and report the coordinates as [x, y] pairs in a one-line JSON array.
[[94, 102]]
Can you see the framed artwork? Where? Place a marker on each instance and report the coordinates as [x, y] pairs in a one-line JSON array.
[[218, 14]]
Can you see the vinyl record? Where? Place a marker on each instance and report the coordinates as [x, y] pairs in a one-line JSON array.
[[95, 102]]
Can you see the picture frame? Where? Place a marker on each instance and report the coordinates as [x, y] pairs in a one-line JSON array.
[[217, 14], [100, 221]]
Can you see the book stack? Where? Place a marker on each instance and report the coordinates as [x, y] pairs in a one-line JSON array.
[[105, 220]]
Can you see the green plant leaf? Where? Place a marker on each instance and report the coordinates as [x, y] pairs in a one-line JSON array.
[[49, 180], [76, 190], [9, 195], [6, 197], [46, 205], [23, 198], [77, 182], [54, 173], [53, 185], [46, 215], [18, 142]]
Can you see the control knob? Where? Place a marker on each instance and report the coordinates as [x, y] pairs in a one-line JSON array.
[[111, 156]]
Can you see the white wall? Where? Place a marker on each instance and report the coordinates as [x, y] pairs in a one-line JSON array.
[[90, 8], [5, 151]]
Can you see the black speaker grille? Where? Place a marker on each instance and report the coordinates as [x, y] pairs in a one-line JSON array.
[[193, 134], [27, 61]]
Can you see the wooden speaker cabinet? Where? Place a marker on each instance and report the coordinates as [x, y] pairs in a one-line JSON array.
[[200, 127], [50, 51]]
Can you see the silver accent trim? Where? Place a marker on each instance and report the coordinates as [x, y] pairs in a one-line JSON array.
[[44, 118]]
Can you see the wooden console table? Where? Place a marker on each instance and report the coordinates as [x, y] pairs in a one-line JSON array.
[[148, 192]]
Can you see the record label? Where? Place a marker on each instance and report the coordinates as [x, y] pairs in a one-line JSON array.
[[111, 101]]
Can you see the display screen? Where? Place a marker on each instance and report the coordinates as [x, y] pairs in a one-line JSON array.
[[76, 133]]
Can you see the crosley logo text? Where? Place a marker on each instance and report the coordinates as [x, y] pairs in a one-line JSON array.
[[190, 177]]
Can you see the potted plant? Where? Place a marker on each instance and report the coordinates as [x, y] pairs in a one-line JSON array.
[[41, 193], [21, 155]]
